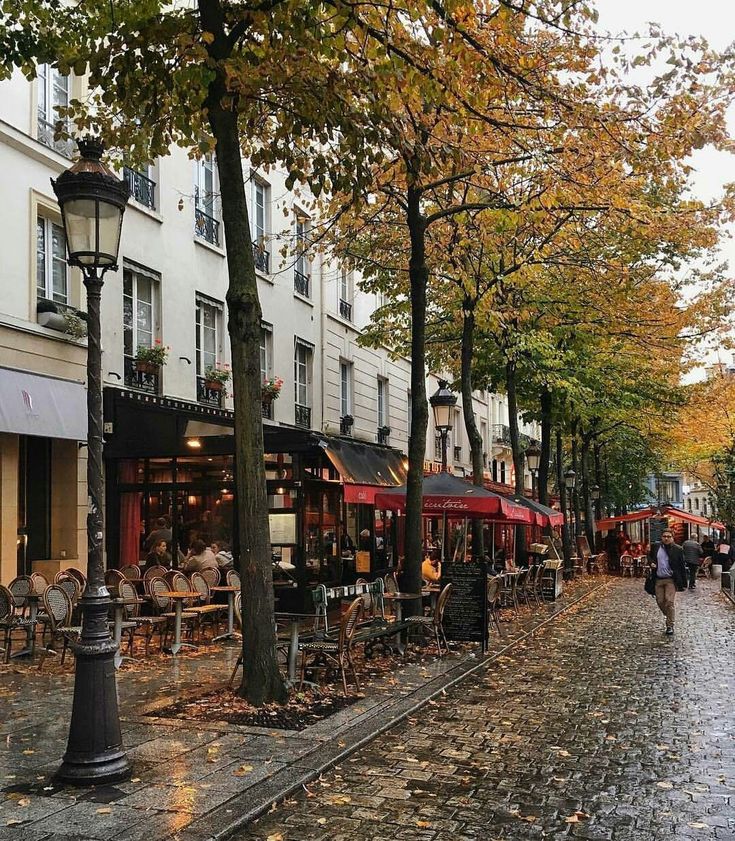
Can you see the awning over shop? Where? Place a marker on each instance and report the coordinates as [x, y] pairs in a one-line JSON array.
[[365, 469], [31, 404], [634, 517], [544, 516], [688, 517]]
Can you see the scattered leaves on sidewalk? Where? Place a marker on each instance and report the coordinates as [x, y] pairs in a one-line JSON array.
[[243, 771]]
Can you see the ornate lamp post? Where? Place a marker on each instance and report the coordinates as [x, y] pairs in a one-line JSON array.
[[570, 480], [595, 492], [443, 402], [533, 460], [92, 202]]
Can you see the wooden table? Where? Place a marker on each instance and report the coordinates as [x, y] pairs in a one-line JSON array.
[[119, 606], [398, 599], [231, 632], [179, 597]]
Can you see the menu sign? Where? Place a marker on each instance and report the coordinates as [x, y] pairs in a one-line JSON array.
[[658, 526], [282, 528], [465, 616]]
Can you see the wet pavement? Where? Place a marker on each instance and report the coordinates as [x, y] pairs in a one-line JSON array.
[[597, 727]]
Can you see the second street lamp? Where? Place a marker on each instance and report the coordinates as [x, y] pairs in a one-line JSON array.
[[443, 402], [533, 460], [570, 480], [92, 202]]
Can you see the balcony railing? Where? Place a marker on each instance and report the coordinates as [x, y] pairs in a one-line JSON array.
[[302, 416], [142, 188], [46, 131], [458, 454], [345, 309], [142, 380], [501, 434], [206, 227], [438, 448], [209, 396], [266, 409], [262, 259], [301, 283], [383, 434]]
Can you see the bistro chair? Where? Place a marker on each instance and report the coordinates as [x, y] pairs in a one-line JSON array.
[[433, 625], [509, 592], [58, 613], [20, 587], [156, 571], [626, 565], [148, 624], [71, 586], [131, 571], [212, 575], [180, 582], [205, 609], [522, 585], [164, 607], [493, 602], [79, 575], [334, 655], [233, 578], [705, 568], [11, 622], [113, 579], [40, 582]]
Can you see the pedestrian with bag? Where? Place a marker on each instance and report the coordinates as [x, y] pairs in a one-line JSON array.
[[670, 575], [692, 558]]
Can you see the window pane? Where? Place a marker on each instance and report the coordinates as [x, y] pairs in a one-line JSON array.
[[263, 355], [128, 348], [58, 250], [43, 91], [41, 257]]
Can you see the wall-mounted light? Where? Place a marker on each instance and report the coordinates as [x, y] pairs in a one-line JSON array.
[[194, 443]]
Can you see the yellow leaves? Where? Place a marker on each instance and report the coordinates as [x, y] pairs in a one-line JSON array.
[[243, 771], [276, 836], [577, 817], [24, 801], [207, 37], [423, 824], [665, 784], [104, 810]]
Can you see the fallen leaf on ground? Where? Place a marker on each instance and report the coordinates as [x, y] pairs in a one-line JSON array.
[[278, 836], [105, 810], [243, 770], [423, 824], [665, 784], [24, 801], [698, 825]]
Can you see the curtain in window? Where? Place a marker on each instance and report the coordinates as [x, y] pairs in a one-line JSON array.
[[130, 515]]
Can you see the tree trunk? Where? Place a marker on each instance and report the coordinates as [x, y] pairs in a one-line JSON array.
[[575, 489], [566, 542], [262, 681], [473, 433], [518, 457], [589, 517], [544, 464], [418, 277]]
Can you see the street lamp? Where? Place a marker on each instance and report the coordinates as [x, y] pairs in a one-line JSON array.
[[92, 202], [443, 402], [570, 480], [533, 460]]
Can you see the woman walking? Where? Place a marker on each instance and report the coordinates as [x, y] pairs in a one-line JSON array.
[[667, 559]]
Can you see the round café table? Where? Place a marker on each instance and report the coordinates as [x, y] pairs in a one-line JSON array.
[[178, 597], [398, 599], [231, 632]]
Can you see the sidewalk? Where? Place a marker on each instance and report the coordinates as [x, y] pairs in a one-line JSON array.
[[196, 780]]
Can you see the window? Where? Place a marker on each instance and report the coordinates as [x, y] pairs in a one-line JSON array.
[[259, 225], [483, 435], [302, 366], [207, 333], [139, 291], [696, 503], [301, 267], [409, 418], [502, 472], [382, 402], [345, 389], [141, 185], [52, 276], [53, 94], [266, 343], [345, 294], [495, 470], [206, 211], [689, 504], [704, 506]]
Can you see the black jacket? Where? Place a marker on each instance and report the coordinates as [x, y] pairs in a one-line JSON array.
[[676, 562]]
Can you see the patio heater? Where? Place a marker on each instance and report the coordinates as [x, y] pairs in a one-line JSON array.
[[92, 202], [442, 403], [533, 460]]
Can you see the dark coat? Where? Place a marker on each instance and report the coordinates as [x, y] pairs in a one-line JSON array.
[[676, 562]]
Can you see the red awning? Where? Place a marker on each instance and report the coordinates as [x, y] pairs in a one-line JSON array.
[[647, 513], [361, 494], [688, 517], [634, 517]]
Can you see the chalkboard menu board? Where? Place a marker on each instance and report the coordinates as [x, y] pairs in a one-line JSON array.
[[465, 616], [658, 526]]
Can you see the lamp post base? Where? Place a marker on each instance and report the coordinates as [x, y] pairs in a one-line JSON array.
[[94, 753]]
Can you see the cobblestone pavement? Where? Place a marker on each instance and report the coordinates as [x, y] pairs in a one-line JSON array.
[[598, 727]]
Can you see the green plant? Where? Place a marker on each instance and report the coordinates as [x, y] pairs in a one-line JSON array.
[[74, 325], [217, 373], [157, 354]]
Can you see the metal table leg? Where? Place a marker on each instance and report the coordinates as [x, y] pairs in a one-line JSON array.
[[231, 632]]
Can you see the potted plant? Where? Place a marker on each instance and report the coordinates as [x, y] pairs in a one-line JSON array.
[[49, 315], [75, 323], [149, 359], [216, 376], [270, 389]]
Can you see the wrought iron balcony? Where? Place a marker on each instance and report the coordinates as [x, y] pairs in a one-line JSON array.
[[266, 409], [302, 416], [383, 434], [301, 283], [458, 454], [438, 448], [206, 227], [501, 434], [142, 188], [142, 377], [345, 309], [209, 396], [45, 134], [262, 258]]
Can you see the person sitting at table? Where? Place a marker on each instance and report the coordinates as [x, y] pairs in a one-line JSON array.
[[158, 556], [222, 554], [348, 544], [162, 531], [200, 557], [431, 569]]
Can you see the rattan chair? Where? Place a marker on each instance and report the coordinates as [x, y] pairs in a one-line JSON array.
[[522, 586], [148, 624], [626, 565], [58, 610], [433, 626], [180, 582], [164, 607], [205, 609], [509, 592], [212, 575], [20, 587], [131, 571], [40, 582], [11, 622], [157, 571], [233, 578], [334, 655], [113, 579], [79, 575], [493, 602]]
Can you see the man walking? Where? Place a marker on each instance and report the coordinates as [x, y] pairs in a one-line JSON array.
[[671, 576], [692, 558]]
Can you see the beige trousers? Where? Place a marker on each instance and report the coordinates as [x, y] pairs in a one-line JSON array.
[[666, 599]]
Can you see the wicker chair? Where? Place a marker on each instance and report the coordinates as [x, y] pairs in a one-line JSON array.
[[213, 576], [334, 655], [149, 624], [20, 587], [164, 607], [131, 571], [113, 579], [433, 625], [156, 571], [58, 610], [705, 568], [40, 582], [11, 622], [522, 586], [180, 582], [233, 578], [509, 593], [205, 609], [79, 575], [626, 565], [493, 602]]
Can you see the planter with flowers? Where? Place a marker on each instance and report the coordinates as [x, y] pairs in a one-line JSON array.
[[270, 389], [216, 377], [148, 360]]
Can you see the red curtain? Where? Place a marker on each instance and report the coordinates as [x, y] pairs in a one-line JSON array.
[[130, 519]]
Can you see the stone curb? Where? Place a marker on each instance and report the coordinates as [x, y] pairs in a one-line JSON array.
[[219, 824]]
